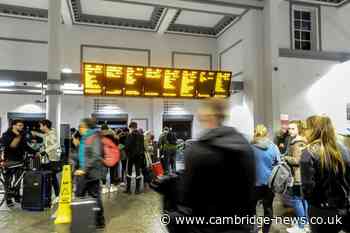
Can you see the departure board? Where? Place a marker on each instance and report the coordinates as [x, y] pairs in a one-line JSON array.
[[123, 80], [222, 84], [206, 84], [114, 80], [133, 80], [171, 83], [94, 79], [153, 82]]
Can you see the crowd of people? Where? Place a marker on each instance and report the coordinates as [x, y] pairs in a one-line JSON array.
[[224, 175]]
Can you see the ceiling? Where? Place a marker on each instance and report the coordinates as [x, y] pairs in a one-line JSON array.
[[207, 18]]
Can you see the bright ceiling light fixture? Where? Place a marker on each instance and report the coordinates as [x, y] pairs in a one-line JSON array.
[[67, 70], [71, 86], [7, 83]]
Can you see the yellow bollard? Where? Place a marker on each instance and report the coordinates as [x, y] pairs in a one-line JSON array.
[[64, 211]]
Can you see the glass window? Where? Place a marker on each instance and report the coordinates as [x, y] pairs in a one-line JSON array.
[[304, 35]]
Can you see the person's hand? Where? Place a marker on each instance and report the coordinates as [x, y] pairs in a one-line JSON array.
[[281, 145], [79, 173]]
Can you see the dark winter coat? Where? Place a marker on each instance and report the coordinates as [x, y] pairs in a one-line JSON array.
[[314, 180], [219, 179]]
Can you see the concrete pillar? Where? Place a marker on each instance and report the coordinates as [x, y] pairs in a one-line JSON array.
[[53, 93], [271, 67]]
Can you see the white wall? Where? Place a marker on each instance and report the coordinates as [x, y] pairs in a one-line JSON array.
[[33, 56], [245, 57], [304, 88]]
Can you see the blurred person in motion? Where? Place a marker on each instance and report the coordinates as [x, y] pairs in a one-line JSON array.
[[293, 156], [325, 176], [113, 171], [220, 160], [50, 153], [267, 155], [134, 147], [91, 169], [15, 146]]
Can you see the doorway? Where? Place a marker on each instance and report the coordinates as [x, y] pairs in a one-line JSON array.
[[114, 121], [180, 124]]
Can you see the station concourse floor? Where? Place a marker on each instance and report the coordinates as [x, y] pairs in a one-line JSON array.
[[124, 214]]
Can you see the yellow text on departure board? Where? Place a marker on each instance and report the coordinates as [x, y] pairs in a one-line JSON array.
[[188, 83], [222, 81], [93, 82], [170, 79], [114, 74]]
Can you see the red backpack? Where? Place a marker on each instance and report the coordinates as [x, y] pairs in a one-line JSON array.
[[111, 153]]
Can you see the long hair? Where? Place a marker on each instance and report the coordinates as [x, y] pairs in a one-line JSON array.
[[321, 137], [260, 132]]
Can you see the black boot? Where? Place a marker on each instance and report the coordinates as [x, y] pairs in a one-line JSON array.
[[138, 185], [128, 185]]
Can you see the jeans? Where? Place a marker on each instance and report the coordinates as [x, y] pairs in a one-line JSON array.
[[300, 207]]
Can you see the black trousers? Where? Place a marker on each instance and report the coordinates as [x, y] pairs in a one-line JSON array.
[[264, 194], [52, 166], [137, 162], [11, 174], [324, 214], [92, 188], [124, 164]]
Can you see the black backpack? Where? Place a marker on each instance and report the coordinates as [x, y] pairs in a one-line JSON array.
[[171, 138]]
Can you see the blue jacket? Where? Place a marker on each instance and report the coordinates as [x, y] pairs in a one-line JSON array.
[[267, 155]]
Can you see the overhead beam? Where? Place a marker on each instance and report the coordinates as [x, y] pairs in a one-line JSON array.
[[258, 4], [195, 5], [315, 2], [66, 12], [166, 20]]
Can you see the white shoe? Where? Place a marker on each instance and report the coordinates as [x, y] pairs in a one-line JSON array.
[[56, 200], [295, 229], [114, 188], [105, 190]]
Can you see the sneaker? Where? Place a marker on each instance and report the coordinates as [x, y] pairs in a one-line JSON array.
[[114, 188], [105, 190], [56, 200], [295, 229]]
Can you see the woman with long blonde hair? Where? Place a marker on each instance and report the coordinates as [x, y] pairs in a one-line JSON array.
[[267, 155], [325, 174]]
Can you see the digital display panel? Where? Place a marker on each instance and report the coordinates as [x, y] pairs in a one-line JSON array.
[[94, 79], [206, 84], [133, 80], [123, 80], [114, 80], [171, 82], [222, 84], [153, 82]]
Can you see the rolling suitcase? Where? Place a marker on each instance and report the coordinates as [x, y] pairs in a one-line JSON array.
[[36, 190], [83, 215]]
